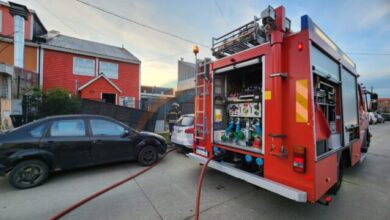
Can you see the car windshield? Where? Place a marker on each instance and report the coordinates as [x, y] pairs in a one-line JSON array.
[[185, 121]]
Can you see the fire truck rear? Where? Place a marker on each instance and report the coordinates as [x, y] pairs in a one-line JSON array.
[[282, 110]]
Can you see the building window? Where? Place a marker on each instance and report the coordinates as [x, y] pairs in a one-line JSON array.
[[109, 69], [82, 66], [4, 86], [127, 101]]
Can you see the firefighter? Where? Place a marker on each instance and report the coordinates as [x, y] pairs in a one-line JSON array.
[[172, 116]]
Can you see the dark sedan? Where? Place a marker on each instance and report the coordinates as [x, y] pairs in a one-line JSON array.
[[29, 153]]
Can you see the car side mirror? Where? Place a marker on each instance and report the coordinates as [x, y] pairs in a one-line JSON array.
[[125, 133]]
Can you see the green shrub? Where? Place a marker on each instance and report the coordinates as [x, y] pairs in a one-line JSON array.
[[58, 102]]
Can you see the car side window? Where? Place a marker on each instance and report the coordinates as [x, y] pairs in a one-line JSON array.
[[101, 127], [66, 128], [37, 132]]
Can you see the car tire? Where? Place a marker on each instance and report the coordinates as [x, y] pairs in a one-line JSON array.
[[28, 174], [148, 155]]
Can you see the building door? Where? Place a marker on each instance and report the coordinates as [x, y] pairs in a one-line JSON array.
[[109, 98]]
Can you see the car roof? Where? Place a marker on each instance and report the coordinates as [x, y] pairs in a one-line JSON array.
[[76, 116]]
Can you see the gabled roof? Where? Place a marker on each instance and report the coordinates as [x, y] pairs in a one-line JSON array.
[[98, 77], [79, 46]]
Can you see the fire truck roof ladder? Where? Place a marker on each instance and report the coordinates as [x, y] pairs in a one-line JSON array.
[[242, 38]]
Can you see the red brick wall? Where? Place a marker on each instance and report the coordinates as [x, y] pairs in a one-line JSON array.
[[58, 72], [8, 23]]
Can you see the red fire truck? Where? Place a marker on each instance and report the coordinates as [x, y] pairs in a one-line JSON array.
[[282, 110]]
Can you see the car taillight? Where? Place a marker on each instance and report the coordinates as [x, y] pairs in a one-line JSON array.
[[299, 159], [189, 131]]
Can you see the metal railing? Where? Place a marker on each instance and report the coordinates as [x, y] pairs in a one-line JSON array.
[[241, 38]]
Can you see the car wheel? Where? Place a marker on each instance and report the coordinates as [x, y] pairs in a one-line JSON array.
[[28, 174], [148, 155]]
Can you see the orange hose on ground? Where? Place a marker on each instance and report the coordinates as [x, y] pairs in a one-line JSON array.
[[104, 190]]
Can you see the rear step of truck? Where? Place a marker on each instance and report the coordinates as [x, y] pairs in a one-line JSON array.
[[283, 190]]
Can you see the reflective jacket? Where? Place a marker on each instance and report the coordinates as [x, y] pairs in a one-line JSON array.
[[173, 115]]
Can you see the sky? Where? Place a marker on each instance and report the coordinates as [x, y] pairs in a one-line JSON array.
[[361, 28]]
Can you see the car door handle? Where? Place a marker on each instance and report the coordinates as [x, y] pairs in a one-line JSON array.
[[97, 141]]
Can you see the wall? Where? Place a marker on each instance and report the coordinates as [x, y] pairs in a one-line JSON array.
[[95, 90], [8, 24], [5, 111], [58, 72], [186, 84], [30, 56], [384, 105]]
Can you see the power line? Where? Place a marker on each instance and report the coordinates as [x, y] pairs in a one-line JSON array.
[[368, 53], [6, 46], [163, 57], [143, 25], [58, 18], [220, 12]]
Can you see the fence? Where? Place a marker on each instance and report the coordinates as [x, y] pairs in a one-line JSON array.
[[138, 119]]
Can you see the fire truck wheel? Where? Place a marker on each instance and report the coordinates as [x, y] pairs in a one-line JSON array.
[[340, 174], [148, 155]]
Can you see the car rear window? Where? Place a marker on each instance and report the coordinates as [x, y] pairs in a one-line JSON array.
[[185, 121]]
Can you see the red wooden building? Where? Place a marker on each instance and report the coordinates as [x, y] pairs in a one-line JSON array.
[[91, 70]]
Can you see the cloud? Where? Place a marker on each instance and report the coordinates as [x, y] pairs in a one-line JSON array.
[[91, 24], [358, 15]]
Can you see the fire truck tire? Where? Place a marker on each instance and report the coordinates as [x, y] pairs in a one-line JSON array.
[[366, 142], [340, 174]]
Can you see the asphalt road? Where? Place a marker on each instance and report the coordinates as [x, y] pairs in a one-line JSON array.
[[167, 192]]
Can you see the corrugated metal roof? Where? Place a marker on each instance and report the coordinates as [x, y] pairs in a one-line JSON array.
[[93, 48]]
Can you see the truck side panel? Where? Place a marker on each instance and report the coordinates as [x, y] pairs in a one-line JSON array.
[[326, 175], [298, 118]]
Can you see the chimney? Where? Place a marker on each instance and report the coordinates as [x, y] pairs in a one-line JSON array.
[[20, 13]]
